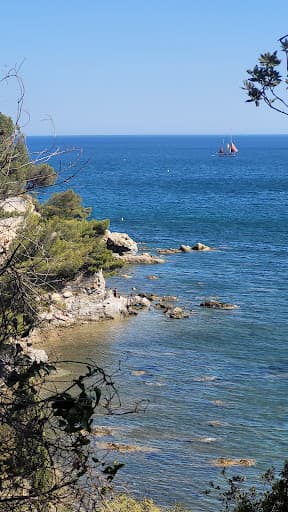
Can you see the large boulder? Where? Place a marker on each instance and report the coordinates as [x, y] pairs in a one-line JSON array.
[[177, 313], [201, 247], [185, 248], [121, 243]]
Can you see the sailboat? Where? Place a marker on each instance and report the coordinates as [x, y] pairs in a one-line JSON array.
[[228, 149]]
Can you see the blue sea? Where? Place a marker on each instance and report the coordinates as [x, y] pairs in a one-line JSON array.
[[216, 383]]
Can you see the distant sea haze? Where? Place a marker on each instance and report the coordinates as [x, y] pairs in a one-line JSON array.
[[216, 382]]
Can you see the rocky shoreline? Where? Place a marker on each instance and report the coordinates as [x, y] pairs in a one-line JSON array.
[[86, 298]]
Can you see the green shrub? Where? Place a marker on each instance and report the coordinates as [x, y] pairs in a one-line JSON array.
[[124, 503], [57, 248], [65, 204], [270, 495]]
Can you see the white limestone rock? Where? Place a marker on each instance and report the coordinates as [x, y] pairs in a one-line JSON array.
[[121, 243]]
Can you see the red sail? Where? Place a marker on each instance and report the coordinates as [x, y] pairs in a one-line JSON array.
[[233, 148]]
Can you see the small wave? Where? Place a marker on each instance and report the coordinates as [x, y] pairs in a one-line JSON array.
[[138, 373], [216, 423], [219, 403], [205, 378], [201, 439], [159, 384]]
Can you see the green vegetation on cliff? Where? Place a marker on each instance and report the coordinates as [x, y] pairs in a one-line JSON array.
[[53, 243], [58, 244], [17, 173]]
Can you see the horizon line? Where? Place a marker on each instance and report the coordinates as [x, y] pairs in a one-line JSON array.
[[154, 135]]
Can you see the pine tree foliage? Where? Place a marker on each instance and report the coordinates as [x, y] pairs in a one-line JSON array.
[[266, 83], [17, 173]]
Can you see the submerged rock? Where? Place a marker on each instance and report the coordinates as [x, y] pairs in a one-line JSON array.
[[225, 463], [101, 431], [125, 447], [169, 251], [149, 296], [171, 311], [177, 313], [171, 298], [185, 248], [165, 306], [215, 304], [139, 301]]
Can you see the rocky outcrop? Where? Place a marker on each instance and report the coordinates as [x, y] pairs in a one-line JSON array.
[[185, 248], [177, 313], [201, 247], [222, 462], [17, 205], [127, 249], [171, 311], [137, 302], [169, 251], [86, 299], [121, 243], [123, 448], [145, 258], [215, 304]]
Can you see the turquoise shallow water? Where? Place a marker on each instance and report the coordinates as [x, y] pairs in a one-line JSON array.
[[224, 366]]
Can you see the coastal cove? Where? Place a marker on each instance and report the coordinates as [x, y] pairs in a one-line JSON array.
[[217, 381]]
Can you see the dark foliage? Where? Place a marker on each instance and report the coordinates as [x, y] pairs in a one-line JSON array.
[[266, 83], [270, 495]]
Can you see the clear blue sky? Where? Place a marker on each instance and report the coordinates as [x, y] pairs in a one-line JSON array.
[[139, 66]]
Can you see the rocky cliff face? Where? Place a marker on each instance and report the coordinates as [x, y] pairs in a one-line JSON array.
[[126, 249], [87, 299], [16, 207]]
